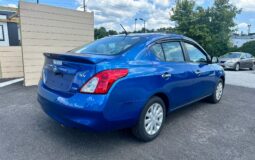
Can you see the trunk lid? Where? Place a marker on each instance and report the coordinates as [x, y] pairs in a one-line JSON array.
[[68, 72]]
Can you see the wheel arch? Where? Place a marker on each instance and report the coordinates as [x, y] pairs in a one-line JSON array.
[[222, 77], [165, 99]]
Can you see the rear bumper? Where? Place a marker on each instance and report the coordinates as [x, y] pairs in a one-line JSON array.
[[89, 112]]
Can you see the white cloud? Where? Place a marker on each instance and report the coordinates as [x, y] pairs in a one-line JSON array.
[[242, 26], [11, 5], [110, 13], [162, 3], [200, 2], [246, 5]]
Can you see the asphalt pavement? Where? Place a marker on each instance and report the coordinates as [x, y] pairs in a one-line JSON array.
[[245, 78], [202, 131]]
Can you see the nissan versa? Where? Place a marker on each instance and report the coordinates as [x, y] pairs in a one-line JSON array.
[[128, 81]]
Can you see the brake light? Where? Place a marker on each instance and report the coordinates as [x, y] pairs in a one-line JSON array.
[[102, 81]]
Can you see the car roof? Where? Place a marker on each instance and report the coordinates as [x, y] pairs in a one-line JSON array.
[[237, 52], [151, 37]]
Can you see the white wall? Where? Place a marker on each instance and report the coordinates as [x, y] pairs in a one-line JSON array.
[[11, 65], [3, 28]]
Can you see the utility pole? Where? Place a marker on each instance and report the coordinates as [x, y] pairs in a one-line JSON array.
[[143, 24], [249, 29], [135, 24], [84, 5], [37, 1]]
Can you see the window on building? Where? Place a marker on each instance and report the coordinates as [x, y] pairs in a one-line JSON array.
[[2, 33]]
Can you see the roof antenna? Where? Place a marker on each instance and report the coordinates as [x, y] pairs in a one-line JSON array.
[[126, 33]]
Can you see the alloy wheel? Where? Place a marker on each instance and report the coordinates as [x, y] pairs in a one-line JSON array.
[[219, 91], [237, 67]]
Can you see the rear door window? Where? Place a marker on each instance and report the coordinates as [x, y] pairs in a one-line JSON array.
[[243, 56], [248, 55], [173, 52]]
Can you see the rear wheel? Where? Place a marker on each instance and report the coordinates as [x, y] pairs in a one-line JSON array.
[[237, 67], [218, 92], [151, 120]]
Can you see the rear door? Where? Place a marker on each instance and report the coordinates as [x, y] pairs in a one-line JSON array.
[[250, 62], [175, 75], [204, 83], [243, 61]]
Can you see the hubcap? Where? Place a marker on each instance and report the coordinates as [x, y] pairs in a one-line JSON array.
[[219, 91], [153, 119], [237, 67]]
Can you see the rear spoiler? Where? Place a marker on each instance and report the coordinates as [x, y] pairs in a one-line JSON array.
[[75, 57]]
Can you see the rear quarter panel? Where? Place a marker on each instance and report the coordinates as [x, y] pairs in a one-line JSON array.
[[129, 94]]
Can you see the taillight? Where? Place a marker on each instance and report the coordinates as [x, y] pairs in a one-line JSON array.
[[102, 81]]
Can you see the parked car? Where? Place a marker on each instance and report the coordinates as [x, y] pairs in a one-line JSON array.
[[237, 61], [128, 81]]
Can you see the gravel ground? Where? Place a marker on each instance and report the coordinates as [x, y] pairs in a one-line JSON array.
[[243, 78], [202, 131]]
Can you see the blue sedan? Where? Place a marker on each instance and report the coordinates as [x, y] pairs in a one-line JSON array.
[[128, 81]]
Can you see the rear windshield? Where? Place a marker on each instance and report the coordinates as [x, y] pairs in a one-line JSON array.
[[232, 55], [109, 45]]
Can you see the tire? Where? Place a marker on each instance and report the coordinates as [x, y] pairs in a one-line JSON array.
[[140, 131], [252, 68], [215, 98], [237, 67]]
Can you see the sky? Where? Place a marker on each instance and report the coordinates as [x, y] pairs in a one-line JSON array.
[[156, 13]]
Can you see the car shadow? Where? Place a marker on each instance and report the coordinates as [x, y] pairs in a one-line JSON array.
[[241, 70], [100, 140]]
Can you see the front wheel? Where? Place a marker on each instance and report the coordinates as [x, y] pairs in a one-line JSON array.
[[151, 120], [218, 92], [237, 67], [252, 68]]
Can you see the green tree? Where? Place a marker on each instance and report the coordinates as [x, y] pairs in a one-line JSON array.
[[184, 16], [210, 27], [112, 32], [223, 14], [248, 47], [166, 30], [100, 33]]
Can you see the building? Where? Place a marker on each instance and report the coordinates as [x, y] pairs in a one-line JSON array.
[[9, 35], [238, 40]]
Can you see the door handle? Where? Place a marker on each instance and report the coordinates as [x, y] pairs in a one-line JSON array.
[[166, 75], [197, 72]]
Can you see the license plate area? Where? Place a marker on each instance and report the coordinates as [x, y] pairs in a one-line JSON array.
[[58, 81]]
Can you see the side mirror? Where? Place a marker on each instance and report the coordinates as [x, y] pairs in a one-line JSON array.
[[215, 59]]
